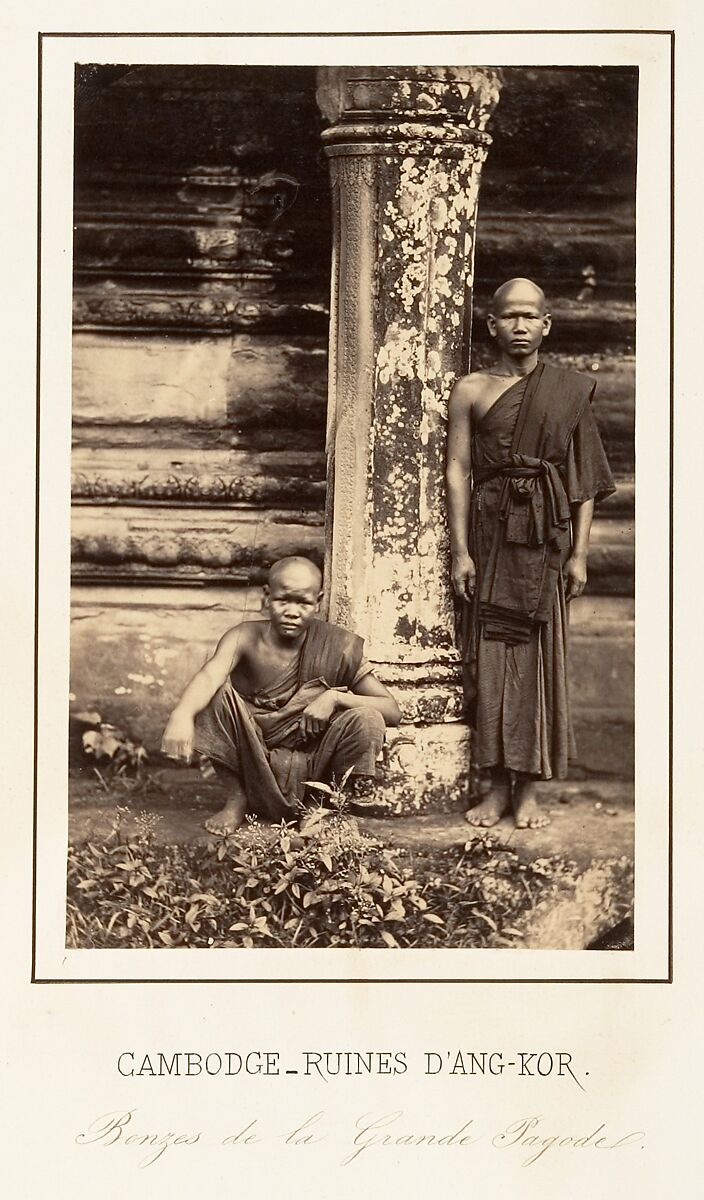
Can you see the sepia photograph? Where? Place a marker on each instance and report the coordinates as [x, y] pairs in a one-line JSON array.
[[352, 528], [336, 620]]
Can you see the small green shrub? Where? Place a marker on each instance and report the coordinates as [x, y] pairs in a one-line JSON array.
[[276, 888]]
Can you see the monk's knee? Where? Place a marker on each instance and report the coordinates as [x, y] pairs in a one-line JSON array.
[[364, 722]]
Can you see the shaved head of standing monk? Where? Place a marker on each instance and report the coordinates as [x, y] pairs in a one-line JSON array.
[[525, 464]]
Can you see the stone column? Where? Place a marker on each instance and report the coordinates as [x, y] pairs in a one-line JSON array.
[[406, 147]]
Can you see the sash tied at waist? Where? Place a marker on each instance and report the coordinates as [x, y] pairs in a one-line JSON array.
[[534, 505]]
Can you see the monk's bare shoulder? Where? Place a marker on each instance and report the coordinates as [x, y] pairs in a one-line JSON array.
[[251, 628], [239, 641], [248, 633], [244, 631], [468, 391]]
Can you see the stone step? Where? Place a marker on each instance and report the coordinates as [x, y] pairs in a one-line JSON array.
[[581, 830], [588, 821]]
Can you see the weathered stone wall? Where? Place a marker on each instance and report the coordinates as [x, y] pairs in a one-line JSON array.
[[202, 259]]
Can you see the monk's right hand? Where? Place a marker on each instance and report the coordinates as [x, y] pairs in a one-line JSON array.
[[177, 741], [464, 575]]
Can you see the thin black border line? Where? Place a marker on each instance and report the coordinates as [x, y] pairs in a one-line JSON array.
[[670, 747], [37, 403], [347, 982], [415, 33], [353, 33]]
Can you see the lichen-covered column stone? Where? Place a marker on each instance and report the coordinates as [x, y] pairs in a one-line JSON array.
[[406, 147]]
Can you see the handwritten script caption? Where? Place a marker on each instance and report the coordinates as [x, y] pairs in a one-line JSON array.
[[530, 1138]]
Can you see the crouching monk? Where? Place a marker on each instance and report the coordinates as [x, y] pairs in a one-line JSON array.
[[525, 466], [282, 701]]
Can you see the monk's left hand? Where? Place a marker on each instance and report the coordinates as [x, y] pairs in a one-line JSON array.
[[576, 575], [316, 715]]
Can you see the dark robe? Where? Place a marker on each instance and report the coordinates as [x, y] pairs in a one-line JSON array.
[[258, 736], [536, 452]]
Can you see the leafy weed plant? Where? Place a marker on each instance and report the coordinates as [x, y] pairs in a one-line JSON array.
[[272, 887]]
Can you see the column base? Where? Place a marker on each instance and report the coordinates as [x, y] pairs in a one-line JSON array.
[[425, 769]]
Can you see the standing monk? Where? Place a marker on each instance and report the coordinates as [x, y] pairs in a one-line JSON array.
[[282, 701], [525, 465]]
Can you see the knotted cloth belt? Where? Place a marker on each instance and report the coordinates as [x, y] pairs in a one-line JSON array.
[[533, 529], [534, 504]]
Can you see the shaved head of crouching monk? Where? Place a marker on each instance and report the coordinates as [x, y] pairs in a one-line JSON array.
[[298, 572]]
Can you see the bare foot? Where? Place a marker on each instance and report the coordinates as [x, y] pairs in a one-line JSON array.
[[363, 791], [490, 811], [527, 813], [228, 819]]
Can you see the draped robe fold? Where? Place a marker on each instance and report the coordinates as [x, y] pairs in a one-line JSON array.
[[258, 736], [535, 453]]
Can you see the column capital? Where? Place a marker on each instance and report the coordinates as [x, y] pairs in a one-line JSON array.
[[438, 111]]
